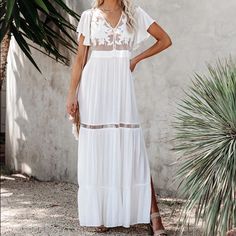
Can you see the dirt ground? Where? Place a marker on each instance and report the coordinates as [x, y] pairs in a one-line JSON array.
[[31, 207]]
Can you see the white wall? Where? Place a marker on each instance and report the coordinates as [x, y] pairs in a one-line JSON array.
[[39, 140]]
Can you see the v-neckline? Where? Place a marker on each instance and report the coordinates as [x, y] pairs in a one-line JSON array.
[[102, 14]]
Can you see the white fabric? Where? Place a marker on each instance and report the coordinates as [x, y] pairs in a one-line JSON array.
[[123, 39], [113, 166], [83, 27], [143, 23]]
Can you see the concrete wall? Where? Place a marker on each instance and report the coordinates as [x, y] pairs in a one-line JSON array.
[[39, 139], [3, 107]]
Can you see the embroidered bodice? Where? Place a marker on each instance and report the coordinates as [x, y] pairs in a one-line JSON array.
[[101, 36], [105, 37]]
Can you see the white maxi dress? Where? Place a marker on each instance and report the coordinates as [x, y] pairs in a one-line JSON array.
[[113, 166]]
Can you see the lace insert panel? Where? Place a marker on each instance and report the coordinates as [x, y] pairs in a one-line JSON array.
[[106, 38], [110, 126]]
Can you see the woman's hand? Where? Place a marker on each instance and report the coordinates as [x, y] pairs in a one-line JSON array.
[[133, 63], [71, 105]]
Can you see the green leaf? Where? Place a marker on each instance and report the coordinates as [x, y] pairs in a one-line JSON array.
[[41, 4], [10, 7], [24, 47], [45, 25], [17, 17]]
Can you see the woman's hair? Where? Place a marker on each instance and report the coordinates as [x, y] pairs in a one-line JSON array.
[[128, 8]]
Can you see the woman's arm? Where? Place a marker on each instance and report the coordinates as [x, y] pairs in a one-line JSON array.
[[163, 42], [75, 77]]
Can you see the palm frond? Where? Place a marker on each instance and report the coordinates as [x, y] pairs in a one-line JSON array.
[[42, 22]]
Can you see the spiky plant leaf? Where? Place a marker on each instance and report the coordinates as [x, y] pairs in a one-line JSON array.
[[206, 144]]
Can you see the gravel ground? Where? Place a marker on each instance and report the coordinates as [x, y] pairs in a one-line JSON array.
[[31, 207]]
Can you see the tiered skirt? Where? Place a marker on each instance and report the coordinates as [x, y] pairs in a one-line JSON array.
[[113, 166]]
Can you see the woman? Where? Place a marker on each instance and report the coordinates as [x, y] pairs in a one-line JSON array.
[[115, 185]]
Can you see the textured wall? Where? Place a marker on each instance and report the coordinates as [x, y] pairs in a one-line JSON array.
[[39, 139]]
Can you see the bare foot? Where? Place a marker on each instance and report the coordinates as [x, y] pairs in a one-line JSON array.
[[101, 229], [232, 232]]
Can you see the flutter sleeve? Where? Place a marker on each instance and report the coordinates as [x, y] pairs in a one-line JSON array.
[[84, 27], [143, 21]]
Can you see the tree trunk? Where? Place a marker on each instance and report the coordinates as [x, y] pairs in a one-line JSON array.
[[3, 60]]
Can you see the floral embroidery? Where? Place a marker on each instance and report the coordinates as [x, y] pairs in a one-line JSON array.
[[105, 37]]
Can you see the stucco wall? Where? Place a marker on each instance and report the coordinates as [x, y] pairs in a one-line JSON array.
[[38, 135]]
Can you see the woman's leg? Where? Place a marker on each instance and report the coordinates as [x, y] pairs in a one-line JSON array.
[[157, 222]]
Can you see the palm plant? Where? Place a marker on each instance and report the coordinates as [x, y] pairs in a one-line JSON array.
[[41, 24], [206, 142]]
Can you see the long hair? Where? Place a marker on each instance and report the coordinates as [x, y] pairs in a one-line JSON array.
[[127, 7]]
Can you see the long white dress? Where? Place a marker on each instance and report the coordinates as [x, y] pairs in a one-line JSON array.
[[113, 166]]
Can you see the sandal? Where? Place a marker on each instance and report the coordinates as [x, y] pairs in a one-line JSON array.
[[160, 232], [101, 229]]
